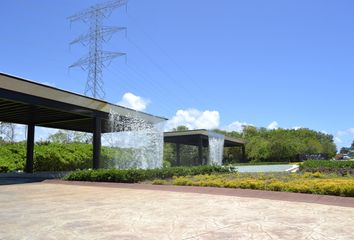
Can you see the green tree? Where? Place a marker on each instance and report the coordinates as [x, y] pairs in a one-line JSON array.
[[181, 128], [344, 150], [7, 131], [285, 144], [257, 149]]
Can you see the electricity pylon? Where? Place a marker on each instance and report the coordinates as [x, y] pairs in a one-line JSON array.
[[97, 58]]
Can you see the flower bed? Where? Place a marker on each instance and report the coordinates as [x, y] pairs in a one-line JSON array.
[[314, 183], [323, 166]]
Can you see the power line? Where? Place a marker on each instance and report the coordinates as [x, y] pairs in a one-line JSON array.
[[133, 76], [171, 95], [148, 36], [97, 58], [163, 71]]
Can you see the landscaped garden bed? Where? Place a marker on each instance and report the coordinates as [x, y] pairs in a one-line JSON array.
[[224, 177], [326, 166], [314, 183], [139, 175]]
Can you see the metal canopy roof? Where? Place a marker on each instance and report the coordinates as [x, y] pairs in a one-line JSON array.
[[192, 137], [24, 102]]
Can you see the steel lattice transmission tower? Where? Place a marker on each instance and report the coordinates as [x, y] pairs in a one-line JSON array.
[[97, 59]]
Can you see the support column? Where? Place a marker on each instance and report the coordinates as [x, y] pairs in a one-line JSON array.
[[178, 154], [96, 142], [243, 153], [30, 148], [200, 151]]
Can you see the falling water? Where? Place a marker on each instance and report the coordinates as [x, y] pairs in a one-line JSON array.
[[216, 148], [134, 142]]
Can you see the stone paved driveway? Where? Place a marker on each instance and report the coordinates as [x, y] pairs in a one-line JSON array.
[[59, 211]]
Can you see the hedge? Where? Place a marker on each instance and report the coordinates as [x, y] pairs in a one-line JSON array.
[[139, 175], [56, 157], [47, 156]]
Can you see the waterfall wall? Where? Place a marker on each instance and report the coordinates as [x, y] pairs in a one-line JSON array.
[[134, 143], [216, 148]]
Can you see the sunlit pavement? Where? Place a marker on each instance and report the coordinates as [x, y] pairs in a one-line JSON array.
[[61, 211]]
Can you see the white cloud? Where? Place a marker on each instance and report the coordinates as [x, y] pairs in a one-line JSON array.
[[237, 126], [349, 131], [344, 138], [273, 125], [341, 133], [338, 140], [132, 101], [194, 119], [296, 128]]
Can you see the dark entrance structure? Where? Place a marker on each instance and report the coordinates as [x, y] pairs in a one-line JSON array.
[[33, 104], [199, 138]]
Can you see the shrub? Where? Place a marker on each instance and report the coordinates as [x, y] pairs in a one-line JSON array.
[[139, 175], [159, 182], [47, 157], [12, 156], [166, 164]]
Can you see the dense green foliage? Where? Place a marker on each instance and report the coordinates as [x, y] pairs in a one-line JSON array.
[[139, 175], [280, 145], [285, 145], [12, 156], [315, 183], [338, 167], [56, 156], [47, 156]]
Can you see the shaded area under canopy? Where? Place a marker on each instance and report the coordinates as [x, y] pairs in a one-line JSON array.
[[34, 104], [199, 138]]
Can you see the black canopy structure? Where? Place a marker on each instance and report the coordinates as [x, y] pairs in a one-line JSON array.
[[34, 104], [199, 138]]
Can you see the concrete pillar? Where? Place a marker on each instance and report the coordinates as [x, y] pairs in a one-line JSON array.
[[30, 148], [243, 153], [200, 151]]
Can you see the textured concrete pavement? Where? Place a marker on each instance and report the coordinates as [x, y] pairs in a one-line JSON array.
[[60, 211]]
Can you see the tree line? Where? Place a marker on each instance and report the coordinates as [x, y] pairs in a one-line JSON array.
[[284, 144]]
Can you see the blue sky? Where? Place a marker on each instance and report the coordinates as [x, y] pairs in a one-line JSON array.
[[203, 63]]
